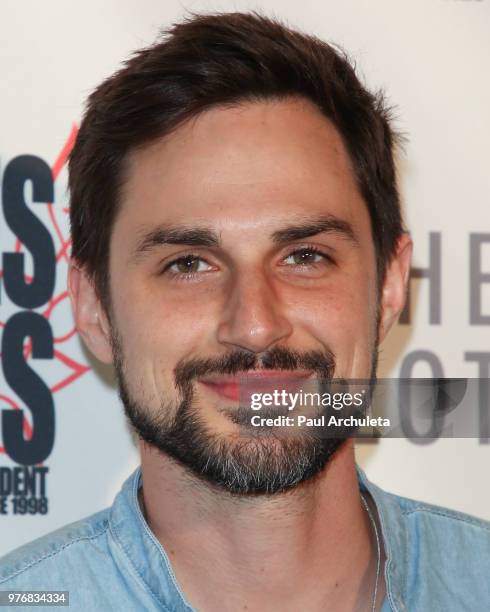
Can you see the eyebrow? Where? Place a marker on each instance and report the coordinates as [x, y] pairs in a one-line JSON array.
[[328, 224], [207, 237], [172, 234]]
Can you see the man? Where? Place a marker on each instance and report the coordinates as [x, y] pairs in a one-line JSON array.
[[236, 223]]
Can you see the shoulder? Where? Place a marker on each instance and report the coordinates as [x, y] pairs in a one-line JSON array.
[[415, 524], [58, 552], [436, 558], [437, 522], [445, 556]]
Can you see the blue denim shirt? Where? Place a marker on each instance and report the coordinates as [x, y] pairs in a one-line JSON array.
[[436, 559]]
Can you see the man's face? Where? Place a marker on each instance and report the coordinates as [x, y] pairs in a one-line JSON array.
[[242, 245]]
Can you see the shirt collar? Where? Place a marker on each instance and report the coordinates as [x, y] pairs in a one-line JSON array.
[[395, 540], [150, 561], [141, 548]]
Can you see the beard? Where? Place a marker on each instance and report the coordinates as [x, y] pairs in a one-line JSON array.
[[244, 462]]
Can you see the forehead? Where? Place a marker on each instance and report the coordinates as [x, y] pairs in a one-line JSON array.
[[244, 166]]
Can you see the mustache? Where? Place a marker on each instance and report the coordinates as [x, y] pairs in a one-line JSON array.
[[278, 358]]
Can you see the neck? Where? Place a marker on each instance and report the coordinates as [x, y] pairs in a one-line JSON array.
[[310, 547]]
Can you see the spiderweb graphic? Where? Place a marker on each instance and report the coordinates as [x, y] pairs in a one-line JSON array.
[[65, 368]]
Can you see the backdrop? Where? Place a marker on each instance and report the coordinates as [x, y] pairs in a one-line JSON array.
[[431, 57]]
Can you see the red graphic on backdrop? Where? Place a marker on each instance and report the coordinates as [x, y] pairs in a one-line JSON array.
[[75, 368]]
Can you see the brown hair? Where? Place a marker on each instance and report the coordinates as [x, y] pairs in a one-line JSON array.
[[212, 60]]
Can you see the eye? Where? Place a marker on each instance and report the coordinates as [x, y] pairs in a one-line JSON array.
[[306, 256], [187, 265]]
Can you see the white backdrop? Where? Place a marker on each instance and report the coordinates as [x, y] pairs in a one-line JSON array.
[[431, 56]]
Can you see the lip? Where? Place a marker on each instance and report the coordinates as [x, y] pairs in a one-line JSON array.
[[242, 384]]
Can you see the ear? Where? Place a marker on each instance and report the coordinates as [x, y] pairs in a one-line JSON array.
[[90, 316], [394, 289]]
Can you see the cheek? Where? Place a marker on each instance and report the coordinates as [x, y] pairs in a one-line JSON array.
[[344, 303], [159, 328], [342, 318]]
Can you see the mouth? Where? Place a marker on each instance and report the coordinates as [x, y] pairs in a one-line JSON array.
[[241, 385]]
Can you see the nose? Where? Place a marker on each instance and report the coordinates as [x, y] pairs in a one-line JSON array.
[[253, 317]]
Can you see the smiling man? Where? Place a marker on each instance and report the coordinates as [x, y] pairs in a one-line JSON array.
[[236, 225]]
